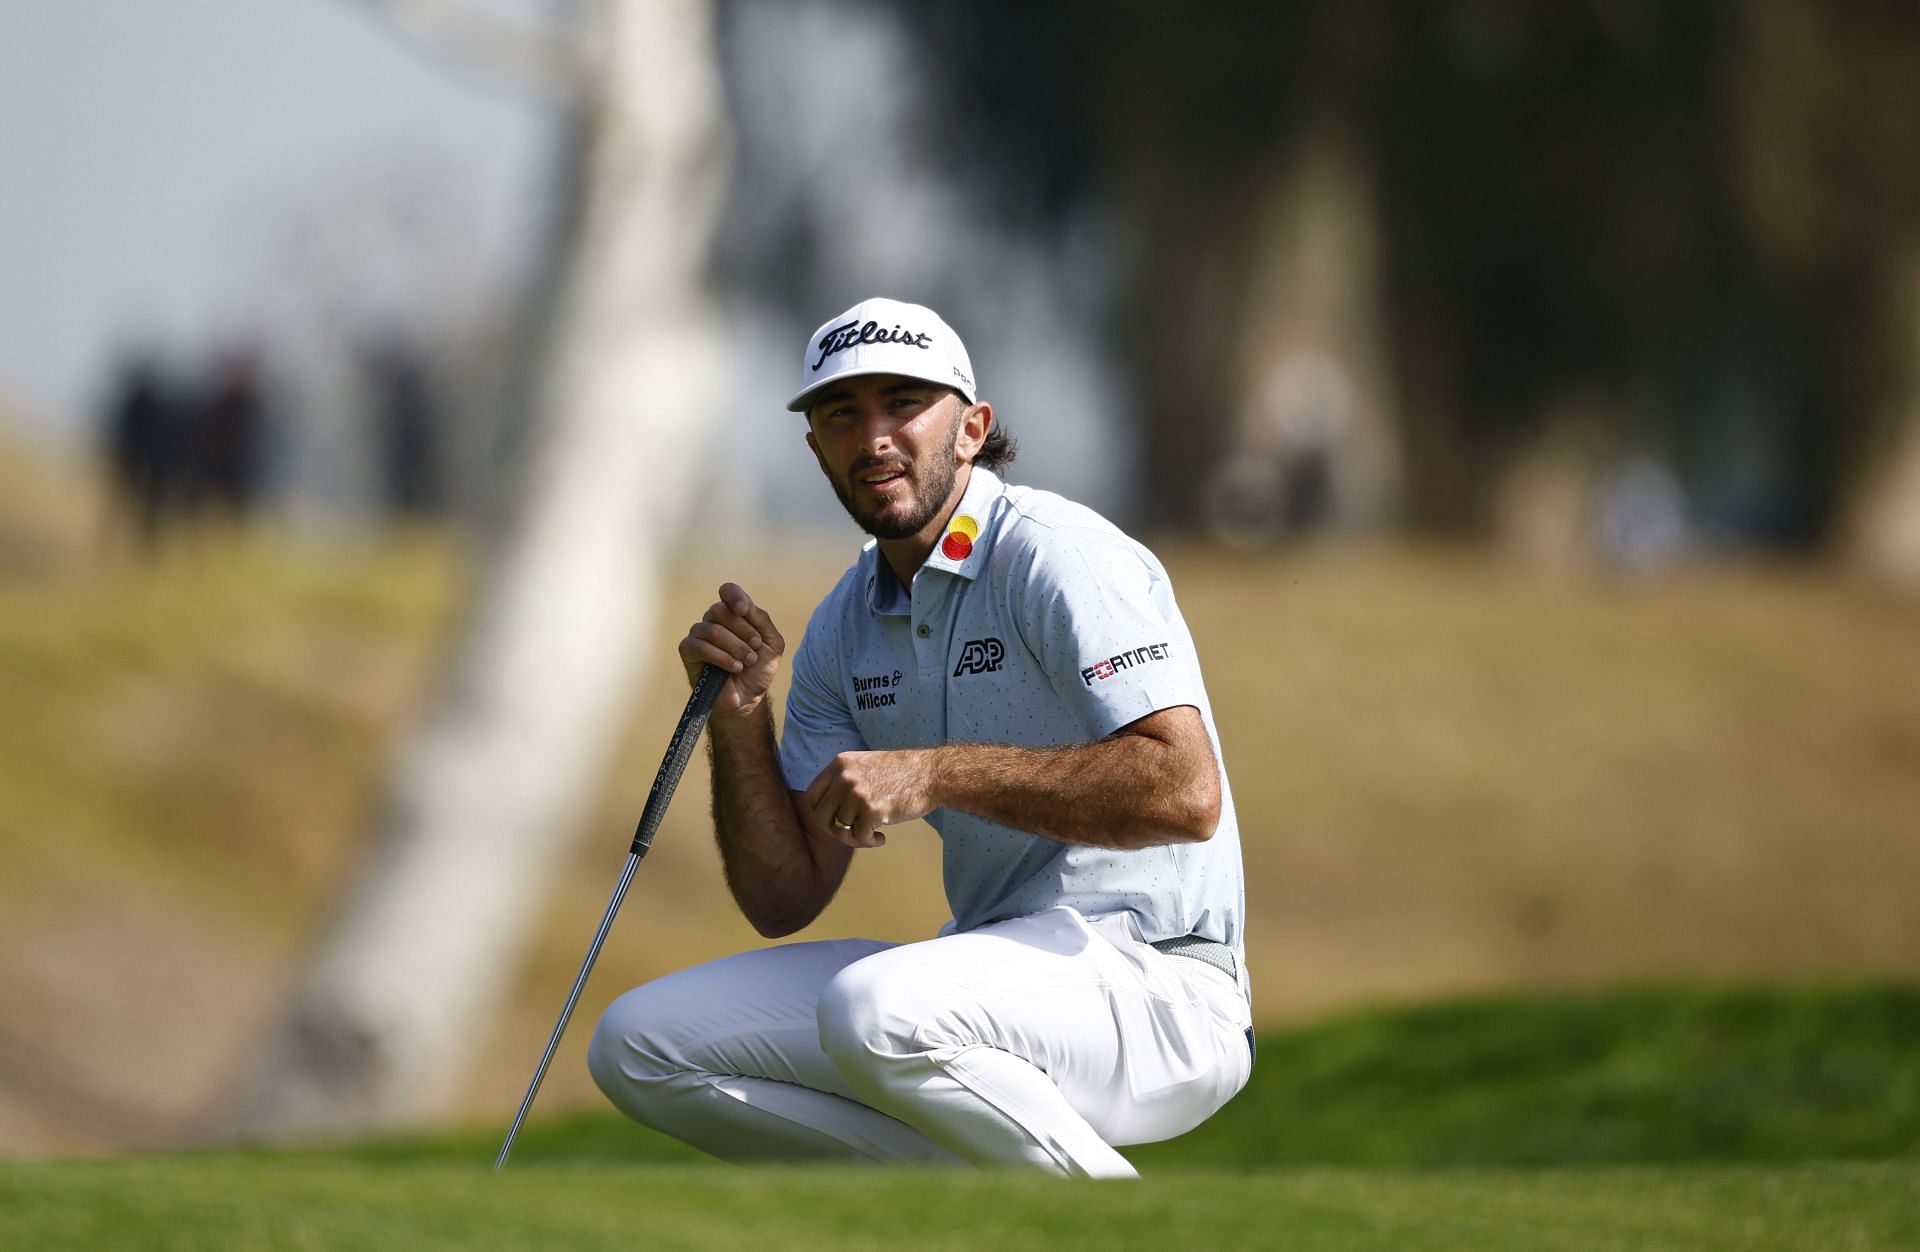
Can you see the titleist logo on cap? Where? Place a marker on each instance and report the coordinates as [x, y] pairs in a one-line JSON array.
[[882, 336], [853, 334]]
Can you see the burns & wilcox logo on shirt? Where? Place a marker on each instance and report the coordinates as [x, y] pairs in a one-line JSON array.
[[878, 692], [980, 656], [1099, 671]]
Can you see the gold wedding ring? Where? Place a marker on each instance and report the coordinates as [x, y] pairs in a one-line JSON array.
[[842, 825]]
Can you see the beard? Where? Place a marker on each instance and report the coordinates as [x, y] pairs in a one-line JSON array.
[[928, 487]]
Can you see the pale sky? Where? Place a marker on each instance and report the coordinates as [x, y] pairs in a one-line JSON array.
[[154, 152], [158, 156]]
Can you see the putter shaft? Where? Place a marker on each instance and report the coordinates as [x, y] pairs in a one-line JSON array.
[[573, 998], [706, 689]]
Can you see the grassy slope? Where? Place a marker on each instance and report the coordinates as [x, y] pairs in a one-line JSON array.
[[1756, 1074], [216, 719], [187, 752]]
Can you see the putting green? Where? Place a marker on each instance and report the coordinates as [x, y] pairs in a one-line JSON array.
[[241, 1203]]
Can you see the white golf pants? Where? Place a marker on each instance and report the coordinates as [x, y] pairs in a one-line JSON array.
[[1039, 1042]]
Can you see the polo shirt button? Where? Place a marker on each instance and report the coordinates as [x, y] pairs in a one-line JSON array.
[[925, 630]]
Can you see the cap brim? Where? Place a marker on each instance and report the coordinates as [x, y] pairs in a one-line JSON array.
[[799, 403]]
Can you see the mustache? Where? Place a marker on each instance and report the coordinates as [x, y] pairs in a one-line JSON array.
[[891, 465]]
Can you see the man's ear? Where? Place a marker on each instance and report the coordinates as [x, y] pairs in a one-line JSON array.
[[815, 445], [976, 423]]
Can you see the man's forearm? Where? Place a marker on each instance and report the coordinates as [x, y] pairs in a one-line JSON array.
[[1126, 791], [780, 877]]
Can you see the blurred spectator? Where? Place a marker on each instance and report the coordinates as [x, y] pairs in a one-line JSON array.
[[1279, 479], [228, 429], [402, 405], [1643, 516], [145, 436]]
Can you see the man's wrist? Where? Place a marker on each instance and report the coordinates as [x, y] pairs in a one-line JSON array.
[[936, 777], [742, 719]]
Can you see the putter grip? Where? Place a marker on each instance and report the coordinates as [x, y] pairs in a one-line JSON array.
[[706, 689]]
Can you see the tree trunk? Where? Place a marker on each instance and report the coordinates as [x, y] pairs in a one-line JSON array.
[[487, 794], [1884, 537], [1312, 443]]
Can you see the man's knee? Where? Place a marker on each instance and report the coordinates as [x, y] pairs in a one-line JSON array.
[[628, 1054]]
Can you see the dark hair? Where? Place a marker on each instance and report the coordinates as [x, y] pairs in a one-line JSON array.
[[998, 451]]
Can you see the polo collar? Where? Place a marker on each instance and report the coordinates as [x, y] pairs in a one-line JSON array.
[[962, 549]]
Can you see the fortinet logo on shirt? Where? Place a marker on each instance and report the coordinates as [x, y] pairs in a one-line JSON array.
[[1124, 660]]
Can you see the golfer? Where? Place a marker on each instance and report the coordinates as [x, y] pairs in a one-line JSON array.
[[1010, 666]]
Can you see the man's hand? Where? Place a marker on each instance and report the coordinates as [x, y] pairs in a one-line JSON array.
[[737, 635], [859, 792], [1152, 782]]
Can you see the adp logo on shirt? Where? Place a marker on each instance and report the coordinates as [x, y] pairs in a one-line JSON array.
[[980, 656]]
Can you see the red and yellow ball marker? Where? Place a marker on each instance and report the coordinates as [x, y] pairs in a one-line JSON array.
[[960, 536]]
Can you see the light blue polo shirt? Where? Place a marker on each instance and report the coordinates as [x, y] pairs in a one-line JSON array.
[[1051, 628]]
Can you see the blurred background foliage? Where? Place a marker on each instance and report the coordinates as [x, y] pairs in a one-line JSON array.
[[1698, 217]]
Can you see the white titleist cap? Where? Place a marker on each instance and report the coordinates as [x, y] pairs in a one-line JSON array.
[[881, 336]]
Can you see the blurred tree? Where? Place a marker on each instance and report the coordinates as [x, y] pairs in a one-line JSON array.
[[1702, 214], [1828, 177], [486, 791]]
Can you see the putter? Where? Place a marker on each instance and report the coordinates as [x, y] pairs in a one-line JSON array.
[[706, 689]]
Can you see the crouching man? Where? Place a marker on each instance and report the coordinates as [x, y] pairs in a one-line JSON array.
[[1010, 666]]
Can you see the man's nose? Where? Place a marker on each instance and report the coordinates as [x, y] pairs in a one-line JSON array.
[[876, 430]]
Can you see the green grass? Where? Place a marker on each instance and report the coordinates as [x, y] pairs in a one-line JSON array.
[[1653, 1118], [234, 1203]]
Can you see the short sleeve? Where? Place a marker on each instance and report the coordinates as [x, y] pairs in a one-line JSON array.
[[1098, 613], [819, 726]]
